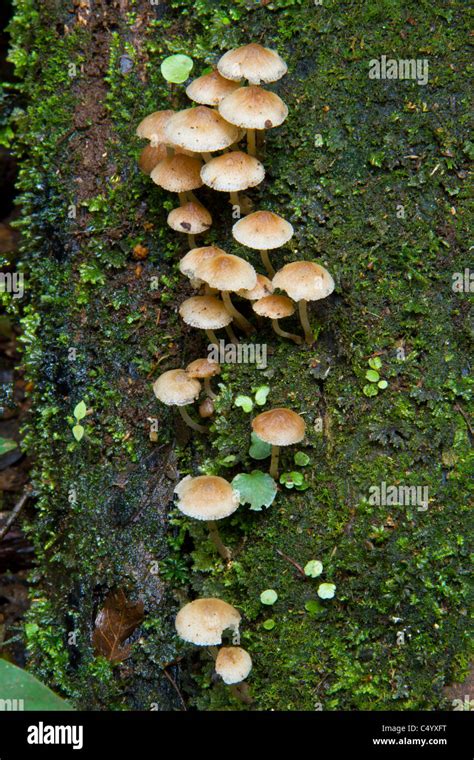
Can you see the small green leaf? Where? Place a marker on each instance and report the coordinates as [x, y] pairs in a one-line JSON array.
[[372, 376], [382, 384], [313, 607], [80, 411], [326, 590], [245, 402], [7, 444], [261, 394], [313, 568], [370, 390], [176, 68], [228, 461], [375, 362], [301, 459], [257, 489], [269, 596], [17, 684], [269, 624], [78, 432], [292, 479], [259, 449]]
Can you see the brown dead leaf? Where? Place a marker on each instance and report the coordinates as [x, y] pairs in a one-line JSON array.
[[115, 623]]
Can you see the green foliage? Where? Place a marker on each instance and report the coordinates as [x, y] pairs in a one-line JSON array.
[[313, 568], [259, 449], [18, 684], [268, 597], [256, 488], [7, 444], [176, 68], [294, 480]]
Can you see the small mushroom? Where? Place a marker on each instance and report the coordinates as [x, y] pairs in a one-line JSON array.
[[209, 498], [253, 62], [203, 621], [263, 288], [150, 157], [191, 218], [233, 664], [206, 313], [253, 108], [189, 263], [176, 388], [210, 89], [279, 427], [263, 230], [206, 408], [229, 273], [201, 130], [304, 281], [178, 174], [233, 172], [204, 369], [276, 307], [152, 127]]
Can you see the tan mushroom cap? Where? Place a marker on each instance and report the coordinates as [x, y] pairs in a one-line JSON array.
[[232, 172], [210, 89], [203, 621], [233, 664], [252, 62], [178, 174], [189, 263], [207, 497], [304, 280], [274, 307], [152, 127], [227, 272], [263, 288], [253, 108], [191, 217], [150, 157], [262, 230], [280, 427], [201, 130], [205, 313], [202, 368], [176, 388]]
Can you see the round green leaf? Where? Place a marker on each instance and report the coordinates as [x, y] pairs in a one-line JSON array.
[[269, 624], [313, 606], [80, 411], [259, 449], [176, 68], [372, 376], [256, 488], [382, 384], [78, 432], [301, 459], [370, 390], [245, 402], [313, 568], [269, 596], [326, 590], [375, 362], [261, 394]]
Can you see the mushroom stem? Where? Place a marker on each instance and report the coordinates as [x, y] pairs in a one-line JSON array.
[[191, 241], [274, 462], [239, 318], [208, 389], [232, 335], [206, 157], [187, 419], [234, 199], [267, 263], [169, 151], [251, 142], [183, 198], [217, 541], [303, 310], [212, 337], [295, 338]]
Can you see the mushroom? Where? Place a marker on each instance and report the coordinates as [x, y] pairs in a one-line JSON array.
[[263, 230], [150, 157], [152, 127], [253, 62], [178, 174], [209, 498], [206, 313], [204, 369], [233, 172], [233, 664], [191, 218], [276, 307], [210, 89], [229, 273], [189, 263], [253, 108], [280, 427], [177, 388], [203, 621], [263, 288], [206, 408], [201, 130], [304, 281]]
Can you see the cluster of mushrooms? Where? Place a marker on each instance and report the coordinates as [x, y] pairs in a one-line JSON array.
[[180, 158]]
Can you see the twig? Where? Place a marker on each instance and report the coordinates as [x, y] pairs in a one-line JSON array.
[[175, 687], [14, 513], [461, 411], [293, 562]]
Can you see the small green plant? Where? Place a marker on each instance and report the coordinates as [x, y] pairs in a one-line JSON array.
[[375, 383], [80, 411], [259, 449], [176, 68], [269, 596], [294, 480], [256, 488], [301, 459], [7, 444], [246, 403], [313, 568], [268, 624], [326, 590]]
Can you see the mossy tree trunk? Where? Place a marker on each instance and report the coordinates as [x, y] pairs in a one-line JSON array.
[[370, 173]]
